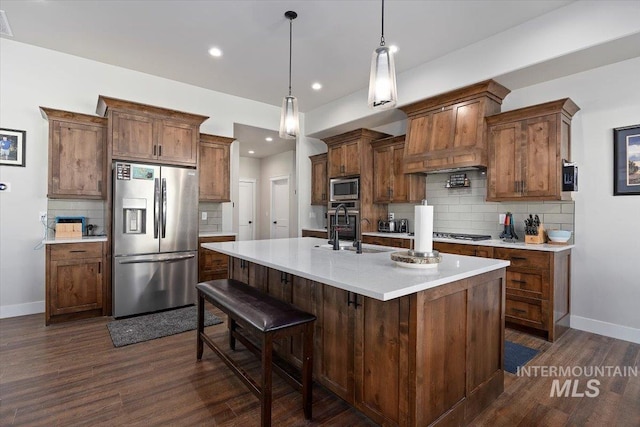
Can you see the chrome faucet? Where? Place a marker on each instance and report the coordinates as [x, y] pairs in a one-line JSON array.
[[336, 238]]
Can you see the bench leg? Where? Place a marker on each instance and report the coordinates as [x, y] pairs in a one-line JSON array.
[[265, 396], [307, 370], [232, 328], [200, 329]]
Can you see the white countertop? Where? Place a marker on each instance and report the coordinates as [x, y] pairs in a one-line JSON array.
[[216, 234], [496, 243], [371, 274], [83, 239]]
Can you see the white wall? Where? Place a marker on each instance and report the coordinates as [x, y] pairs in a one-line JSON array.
[[31, 77], [278, 165]]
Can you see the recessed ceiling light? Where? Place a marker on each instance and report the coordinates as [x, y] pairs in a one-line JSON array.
[[214, 51], [268, 139], [316, 86], [251, 152], [393, 48]]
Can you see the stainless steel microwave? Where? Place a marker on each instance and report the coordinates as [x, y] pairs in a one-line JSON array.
[[344, 189]]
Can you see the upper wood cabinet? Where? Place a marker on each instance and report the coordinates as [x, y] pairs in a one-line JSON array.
[[77, 155], [448, 130], [214, 168], [349, 152], [319, 182], [139, 132], [390, 184], [526, 150]]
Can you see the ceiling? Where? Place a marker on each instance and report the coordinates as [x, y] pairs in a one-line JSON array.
[[332, 40]]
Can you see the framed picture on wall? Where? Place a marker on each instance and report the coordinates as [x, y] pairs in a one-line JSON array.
[[626, 161], [12, 147]]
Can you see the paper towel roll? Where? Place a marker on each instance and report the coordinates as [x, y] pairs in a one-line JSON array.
[[423, 239]]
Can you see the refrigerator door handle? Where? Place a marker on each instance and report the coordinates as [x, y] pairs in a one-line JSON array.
[[164, 259], [156, 207], [164, 207]]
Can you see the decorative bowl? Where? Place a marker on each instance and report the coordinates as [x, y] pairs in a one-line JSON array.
[[559, 236]]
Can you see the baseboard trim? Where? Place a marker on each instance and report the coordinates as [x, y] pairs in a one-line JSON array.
[[607, 329], [16, 310]]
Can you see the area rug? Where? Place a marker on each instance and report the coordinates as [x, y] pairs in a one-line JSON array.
[[516, 355], [156, 325]]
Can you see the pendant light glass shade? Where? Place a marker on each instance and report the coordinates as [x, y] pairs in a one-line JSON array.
[[383, 93], [289, 120], [289, 126], [382, 81]]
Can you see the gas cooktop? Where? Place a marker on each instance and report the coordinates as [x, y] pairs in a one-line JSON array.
[[461, 236]]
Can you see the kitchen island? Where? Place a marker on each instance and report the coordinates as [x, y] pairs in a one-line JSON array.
[[405, 346]]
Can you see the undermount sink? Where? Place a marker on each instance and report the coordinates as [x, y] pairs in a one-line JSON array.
[[352, 249]]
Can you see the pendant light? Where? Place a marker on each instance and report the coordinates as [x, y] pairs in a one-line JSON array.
[[289, 124], [382, 81]]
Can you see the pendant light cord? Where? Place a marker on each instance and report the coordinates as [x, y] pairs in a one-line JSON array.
[[290, 49], [382, 35]]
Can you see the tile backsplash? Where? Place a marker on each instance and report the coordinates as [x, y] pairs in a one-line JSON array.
[[214, 217], [92, 210], [465, 210]]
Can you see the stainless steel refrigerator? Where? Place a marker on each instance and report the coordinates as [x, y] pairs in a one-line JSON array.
[[155, 237]]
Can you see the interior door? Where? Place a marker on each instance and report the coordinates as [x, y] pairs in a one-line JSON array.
[[280, 208], [246, 211]]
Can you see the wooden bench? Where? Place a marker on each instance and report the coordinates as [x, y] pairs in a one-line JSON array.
[[266, 318]]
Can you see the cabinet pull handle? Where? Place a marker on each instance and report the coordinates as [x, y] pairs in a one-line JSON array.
[[159, 150], [524, 186], [519, 281], [99, 267], [518, 258], [519, 310], [77, 251], [355, 300], [154, 149]]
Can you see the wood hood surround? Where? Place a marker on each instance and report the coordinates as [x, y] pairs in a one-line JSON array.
[[448, 131]]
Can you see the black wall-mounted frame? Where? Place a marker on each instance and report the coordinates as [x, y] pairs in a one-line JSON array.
[[626, 161], [12, 147]]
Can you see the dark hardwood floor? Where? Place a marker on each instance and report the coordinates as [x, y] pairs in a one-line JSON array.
[[70, 374]]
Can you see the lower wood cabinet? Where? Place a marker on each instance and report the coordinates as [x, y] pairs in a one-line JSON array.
[[411, 361], [75, 281], [395, 242], [315, 233], [211, 264], [537, 287]]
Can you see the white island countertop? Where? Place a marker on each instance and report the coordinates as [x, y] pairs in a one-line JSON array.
[[370, 274]]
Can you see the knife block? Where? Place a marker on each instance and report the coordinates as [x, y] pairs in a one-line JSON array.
[[535, 238]]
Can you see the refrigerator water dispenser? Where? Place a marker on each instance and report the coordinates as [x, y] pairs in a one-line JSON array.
[[134, 215]]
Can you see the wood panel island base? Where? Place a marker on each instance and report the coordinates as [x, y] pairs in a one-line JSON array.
[[404, 346]]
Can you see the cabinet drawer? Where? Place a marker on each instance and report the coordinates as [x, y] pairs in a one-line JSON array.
[[527, 309], [526, 283], [75, 251], [524, 258]]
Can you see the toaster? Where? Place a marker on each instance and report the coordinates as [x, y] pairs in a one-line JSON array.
[[386, 226]]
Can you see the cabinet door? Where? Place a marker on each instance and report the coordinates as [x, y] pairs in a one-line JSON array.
[[351, 158], [304, 296], [468, 125], [541, 157], [377, 372], [76, 286], [400, 181], [177, 143], [319, 182], [336, 364], [503, 174], [214, 172], [417, 132], [239, 269], [383, 166], [440, 136], [77, 161], [133, 137], [335, 161]]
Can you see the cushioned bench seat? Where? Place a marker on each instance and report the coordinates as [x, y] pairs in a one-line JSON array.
[[266, 318]]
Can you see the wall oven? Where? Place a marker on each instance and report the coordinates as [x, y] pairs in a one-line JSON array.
[[344, 189], [349, 232]]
